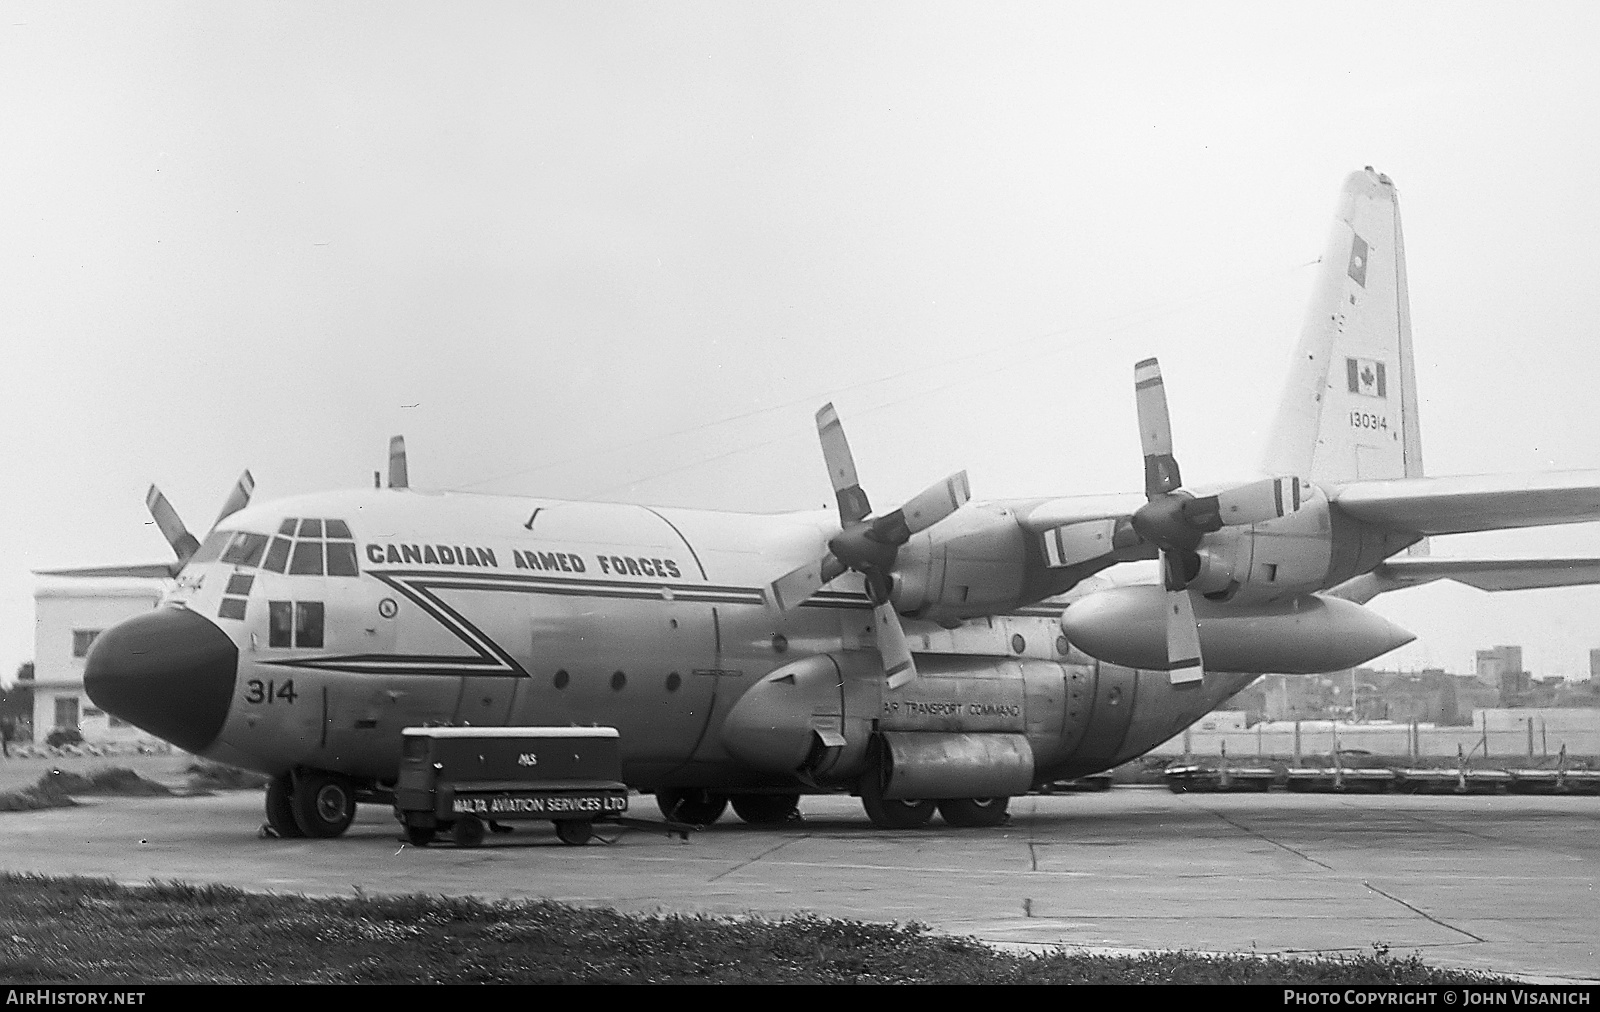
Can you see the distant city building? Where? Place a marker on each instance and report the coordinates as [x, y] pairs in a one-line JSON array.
[[1594, 665], [1494, 664], [69, 612]]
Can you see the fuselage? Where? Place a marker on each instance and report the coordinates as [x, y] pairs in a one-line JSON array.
[[352, 615]]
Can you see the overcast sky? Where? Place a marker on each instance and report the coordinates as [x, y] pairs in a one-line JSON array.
[[625, 250]]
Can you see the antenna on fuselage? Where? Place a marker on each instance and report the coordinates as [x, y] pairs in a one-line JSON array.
[[397, 463]]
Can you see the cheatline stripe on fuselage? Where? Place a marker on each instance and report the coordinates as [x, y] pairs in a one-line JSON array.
[[488, 659]]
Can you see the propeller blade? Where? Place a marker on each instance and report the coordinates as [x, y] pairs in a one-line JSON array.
[[795, 587], [398, 478], [184, 544], [934, 503], [853, 503], [1184, 666], [897, 663], [238, 499], [1155, 430]]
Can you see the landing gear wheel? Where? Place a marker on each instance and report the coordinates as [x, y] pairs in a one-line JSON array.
[[324, 804], [766, 809], [468, 831], [574, 832], [280, 807], [974, 812], [888, 813], [694, 805], [420, 836]]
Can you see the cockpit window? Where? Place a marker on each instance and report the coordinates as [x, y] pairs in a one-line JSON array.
[[342, 558], [245, 549], [299, 548], [307, 559], [277, 555]]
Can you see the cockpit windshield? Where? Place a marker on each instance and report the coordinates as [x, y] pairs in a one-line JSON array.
[[302, 547]]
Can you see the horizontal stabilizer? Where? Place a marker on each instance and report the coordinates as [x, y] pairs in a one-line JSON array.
[[1464, 503], [1485, 574]]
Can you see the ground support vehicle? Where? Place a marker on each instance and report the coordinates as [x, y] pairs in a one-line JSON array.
[[468, 781]]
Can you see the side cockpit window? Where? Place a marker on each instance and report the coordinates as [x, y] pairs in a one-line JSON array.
[[245, 549]]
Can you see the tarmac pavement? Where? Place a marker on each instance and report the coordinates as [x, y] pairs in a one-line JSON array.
[[1502, 883]]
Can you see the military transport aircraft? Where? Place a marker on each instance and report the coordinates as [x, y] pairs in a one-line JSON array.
[[948, 654]]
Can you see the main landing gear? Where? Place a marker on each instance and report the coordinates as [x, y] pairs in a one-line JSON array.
[[310, 803], [700, 807]]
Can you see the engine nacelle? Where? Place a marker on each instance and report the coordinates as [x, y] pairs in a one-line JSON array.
[[1308, 634], [1269, 561], [972, 563]]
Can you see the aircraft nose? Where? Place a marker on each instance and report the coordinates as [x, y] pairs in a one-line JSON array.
[[170, 672]]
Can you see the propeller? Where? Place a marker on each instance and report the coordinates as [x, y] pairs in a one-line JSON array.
[[184, 544], [869, 545], [398, 476], [1176, 521]]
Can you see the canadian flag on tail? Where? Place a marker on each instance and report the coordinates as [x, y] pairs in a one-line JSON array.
[[1366, 377]]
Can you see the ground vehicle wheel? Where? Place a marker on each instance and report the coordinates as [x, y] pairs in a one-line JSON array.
[[888, 813], [974, 812], [420, 836], [765, 809], [324, 804], [694, 805], [280, 807], [468, 831], [574, 832]]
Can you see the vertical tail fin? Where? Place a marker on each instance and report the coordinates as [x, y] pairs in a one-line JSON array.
[[1349, 409]]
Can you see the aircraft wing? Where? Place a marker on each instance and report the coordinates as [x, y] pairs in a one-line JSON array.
[[1485, 574], [160, 570], [1040, 515], [1464, 503]]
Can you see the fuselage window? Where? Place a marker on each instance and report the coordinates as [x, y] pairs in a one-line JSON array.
[[245, 549], [307, 559], [277, 555], [294, 623], [280, 623], [308, 623]]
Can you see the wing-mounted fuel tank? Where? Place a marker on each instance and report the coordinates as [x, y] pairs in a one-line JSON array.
[[1303, 635]]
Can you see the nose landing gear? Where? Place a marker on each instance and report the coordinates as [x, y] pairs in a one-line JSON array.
[[310, 803]]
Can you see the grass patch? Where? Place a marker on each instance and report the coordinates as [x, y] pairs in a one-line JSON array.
[[94, 931], [56, 789]]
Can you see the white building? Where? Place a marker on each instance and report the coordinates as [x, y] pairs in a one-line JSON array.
[[69, 612]]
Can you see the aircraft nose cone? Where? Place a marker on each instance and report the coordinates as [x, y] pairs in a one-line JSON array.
[[170, 672]]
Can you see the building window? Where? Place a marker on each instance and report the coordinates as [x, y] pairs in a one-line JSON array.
[[82, 639], [67, 711]]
